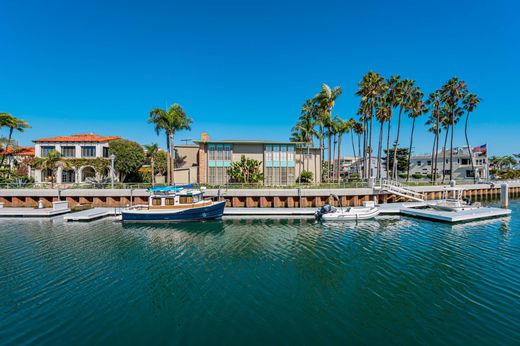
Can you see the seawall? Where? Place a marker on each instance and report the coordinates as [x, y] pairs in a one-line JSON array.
[[265, 198]]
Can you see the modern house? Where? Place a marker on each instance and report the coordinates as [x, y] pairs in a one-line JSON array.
[[422, 164], [208, 161], [88, 155]]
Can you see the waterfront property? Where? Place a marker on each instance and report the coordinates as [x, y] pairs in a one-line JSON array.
[[422, 164], [208, 161], [81, 150], [19, 158]]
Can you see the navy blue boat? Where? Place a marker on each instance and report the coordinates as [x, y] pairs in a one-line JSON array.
[[175, 204]]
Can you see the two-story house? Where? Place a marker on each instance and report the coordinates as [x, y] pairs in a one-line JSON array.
[[81, 149]]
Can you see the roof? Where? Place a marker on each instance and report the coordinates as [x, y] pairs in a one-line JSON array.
[[251, 141], [19, 151], [87, 137]]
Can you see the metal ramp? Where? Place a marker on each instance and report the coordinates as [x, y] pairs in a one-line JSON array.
[[398, 189]]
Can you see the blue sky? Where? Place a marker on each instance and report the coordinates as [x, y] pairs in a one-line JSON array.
[[242, 69]]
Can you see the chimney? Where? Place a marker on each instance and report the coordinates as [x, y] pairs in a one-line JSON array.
[[204, 137]]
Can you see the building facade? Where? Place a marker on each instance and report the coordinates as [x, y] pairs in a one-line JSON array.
[[18, 159], [281, 162], [81, 149], [422, 164]]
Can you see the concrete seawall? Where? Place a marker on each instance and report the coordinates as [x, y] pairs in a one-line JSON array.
[[265, 198]]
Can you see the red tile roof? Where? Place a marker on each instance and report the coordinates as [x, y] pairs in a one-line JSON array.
[[87, 137], [19, 151]]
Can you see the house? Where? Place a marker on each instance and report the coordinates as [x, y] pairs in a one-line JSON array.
[[84, 151], [422, 164], [281, 162], [19, 159]]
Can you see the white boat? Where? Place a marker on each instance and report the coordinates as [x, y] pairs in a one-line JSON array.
[[329, 213], [452, 201]]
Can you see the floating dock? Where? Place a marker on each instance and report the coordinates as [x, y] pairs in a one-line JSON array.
[[32, 212], [92, 214], [459, 216]]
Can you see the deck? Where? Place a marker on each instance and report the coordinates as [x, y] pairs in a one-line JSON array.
[[92, 214], [460, 216], [32, 212]]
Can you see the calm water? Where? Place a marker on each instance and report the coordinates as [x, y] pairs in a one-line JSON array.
[[391, 281]]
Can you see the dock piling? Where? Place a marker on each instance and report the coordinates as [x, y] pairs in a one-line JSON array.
[[504, 196]]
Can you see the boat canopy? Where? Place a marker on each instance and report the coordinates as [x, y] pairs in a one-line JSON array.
[[170, 188]]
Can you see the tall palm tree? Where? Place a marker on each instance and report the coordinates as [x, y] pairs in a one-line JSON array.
[[342, 127], [358, 129], [417, 109], [390, 100], [454, 92], [403, 94], [12, 123], [151, 151], [434, 101], [325, 101], [470, 102], [370, 88], [383, 114], [171, 120]]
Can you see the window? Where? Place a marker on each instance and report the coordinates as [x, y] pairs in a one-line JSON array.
[[106, 152], [446, 172], [219, 159], [185, 199], [45, 150], [428, 163], [470, 173], [156, 201], [169, 201], [68, 151], [465, 161], [279, 164], [418, 163], [88, 151], [68, 176]]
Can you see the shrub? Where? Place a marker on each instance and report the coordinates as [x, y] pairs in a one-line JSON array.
[[306, 177], [417, 176]]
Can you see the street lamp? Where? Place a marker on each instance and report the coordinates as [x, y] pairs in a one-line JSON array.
[[112, 158]]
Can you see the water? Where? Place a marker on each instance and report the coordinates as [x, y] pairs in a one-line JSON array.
[[390, 281]]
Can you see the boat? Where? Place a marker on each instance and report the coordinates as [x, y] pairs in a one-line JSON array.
[[452, 200], [369, 210], [175, 204]]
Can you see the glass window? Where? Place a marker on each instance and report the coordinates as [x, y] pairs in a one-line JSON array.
[[68, 176], [68, 151], [88, 151], [156, 201], [46, 149], [169, 201], [185, 199], [106, 152]]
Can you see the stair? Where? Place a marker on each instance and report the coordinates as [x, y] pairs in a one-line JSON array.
[[398, 189]]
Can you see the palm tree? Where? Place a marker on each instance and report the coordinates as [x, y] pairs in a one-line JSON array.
[[371, 87], [383, 114], [151, 151], [470, 102], [390, 104], [9, 121], [453, 93], [50, 163], [434, 101], [358, 129], [171, 120], [403, 94], [325, 100], [417, 108], [342, 127]]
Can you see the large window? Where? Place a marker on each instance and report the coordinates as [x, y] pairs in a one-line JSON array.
[[88, 151], [106, 152], [68, 176], [279, 164], [219, 159], [46, 149], [68, 151]]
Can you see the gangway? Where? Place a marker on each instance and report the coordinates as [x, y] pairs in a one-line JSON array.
[[396, 188]]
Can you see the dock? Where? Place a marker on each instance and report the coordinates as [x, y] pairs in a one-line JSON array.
[[92, 214], [460, 216], [32, 212]]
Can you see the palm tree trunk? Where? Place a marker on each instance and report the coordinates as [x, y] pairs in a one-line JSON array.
[[444, 154], [153, 171], [172, 143], [359, 157], [168, 180], [469, 148], [432, 179], [353, 147], [394, 165], [379, 149], [410, 150], [370, 147], [329, 154], [365, 134], [438, 137], [388, 151], [338, 169], [451, 144]]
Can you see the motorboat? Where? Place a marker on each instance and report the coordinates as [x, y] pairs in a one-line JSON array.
[[452, 200], [328, 212], [175, 204]]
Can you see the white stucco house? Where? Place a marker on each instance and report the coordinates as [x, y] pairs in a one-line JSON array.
[[82, 148]]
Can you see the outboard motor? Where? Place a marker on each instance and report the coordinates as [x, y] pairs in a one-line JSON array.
[[326, 209]]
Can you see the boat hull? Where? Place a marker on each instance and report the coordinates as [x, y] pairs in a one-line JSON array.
[[213, 211], [351, 216]]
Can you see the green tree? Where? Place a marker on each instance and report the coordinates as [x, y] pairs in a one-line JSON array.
[[50, 163], [129, 159], [170, 121], [402, 96], [342, 127], [402, 158], [151, 151], [435, 103], [246, 171], [305, 177], [417, 109], [13, 124]]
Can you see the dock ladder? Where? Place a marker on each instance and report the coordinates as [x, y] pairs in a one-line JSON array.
[[396, 188]]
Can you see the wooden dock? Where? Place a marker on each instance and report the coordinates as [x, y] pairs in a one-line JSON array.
[[32, 212], [92, 214]]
